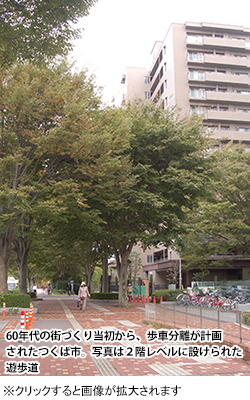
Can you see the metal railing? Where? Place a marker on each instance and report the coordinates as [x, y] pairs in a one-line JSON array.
[[179, 317]]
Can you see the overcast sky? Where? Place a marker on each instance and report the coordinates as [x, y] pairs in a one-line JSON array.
[[121, 33]]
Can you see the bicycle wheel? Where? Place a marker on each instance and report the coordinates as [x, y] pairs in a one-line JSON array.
[[180, 299], [226, 305], [184, 300], [195, 301]]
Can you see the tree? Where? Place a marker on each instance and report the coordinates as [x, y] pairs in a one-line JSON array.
[[134, 267], [172, 274], [221, 223], [159, 176], [43, 113], [38, 30]]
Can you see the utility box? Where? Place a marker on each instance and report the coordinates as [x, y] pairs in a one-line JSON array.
[[172, 286]]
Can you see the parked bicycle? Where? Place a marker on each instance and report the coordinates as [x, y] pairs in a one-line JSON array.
[[216, 299]]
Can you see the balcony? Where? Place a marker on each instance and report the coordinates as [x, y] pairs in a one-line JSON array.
[[230, 136], [224, 43], [226, 60], [213, 77], [228, 97], [215, 42], [219, 60], [227, 116]]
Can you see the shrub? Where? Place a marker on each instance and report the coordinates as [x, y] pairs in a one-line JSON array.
[[166, 294], [15, 300], [104, 296], [247, 318], [59, 291]]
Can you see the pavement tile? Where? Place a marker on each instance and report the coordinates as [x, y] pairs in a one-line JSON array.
[[51, 314]]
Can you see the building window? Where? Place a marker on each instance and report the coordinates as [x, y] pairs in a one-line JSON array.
[[244, 110], [197, 93], [222, 108], [146, 79], [242, 92], [147, 95], [158, 256], [222, 90], [149, 259], [194, 39], [196, 75], [195, 57], [244, 129]]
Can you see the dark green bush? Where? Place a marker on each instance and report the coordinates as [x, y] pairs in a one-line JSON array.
[[166, 294], [104, 296], [15, 300]]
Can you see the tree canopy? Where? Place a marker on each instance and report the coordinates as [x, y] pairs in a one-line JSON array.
[[220, 224], [43, 113], [36, 30], [166, 167]]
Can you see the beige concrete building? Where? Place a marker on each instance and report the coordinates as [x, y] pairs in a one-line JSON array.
[[137, 82], [202, 68]]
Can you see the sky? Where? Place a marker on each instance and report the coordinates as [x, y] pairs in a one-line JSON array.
[[121, 33]]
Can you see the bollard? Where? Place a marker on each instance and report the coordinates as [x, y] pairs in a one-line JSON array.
[[27, 318], [154, 301], [31, 313], [161, 299], [4, 310], [148, 299], [22, 322], [143, 299], [138, 299], [134, 299]]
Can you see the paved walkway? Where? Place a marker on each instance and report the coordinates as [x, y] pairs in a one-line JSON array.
[[61, 313]]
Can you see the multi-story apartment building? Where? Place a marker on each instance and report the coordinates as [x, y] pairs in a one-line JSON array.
[[202, 68], [137, 83]]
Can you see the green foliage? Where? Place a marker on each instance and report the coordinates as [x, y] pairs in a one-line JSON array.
[[44, 112], [220, 225], [104, 296], [247, 318], [15, 300], [166, 294], [156, 173], [134, 267], [37, 30]]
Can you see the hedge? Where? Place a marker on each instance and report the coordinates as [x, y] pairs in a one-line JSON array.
[[15, 300], [247, 318], [105, 296], [166, 294]]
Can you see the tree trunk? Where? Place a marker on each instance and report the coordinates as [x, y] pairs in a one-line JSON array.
[[90, 269], [3, 275], [122, 266], [105, 285], [5, 253], [21, 248]]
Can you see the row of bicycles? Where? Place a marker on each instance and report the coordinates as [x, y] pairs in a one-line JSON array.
[[211, 299]]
